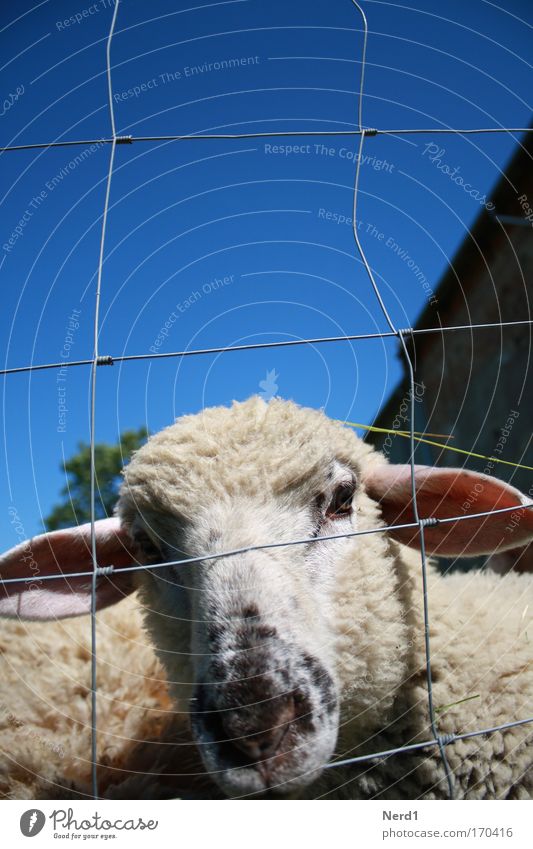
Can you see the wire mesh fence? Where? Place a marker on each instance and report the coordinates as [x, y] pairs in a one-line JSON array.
[[98, 360]]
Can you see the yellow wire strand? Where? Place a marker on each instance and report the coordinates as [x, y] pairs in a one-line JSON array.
[[406, 435]]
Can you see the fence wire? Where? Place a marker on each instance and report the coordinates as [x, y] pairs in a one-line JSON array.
[[110, 359], [232, 552], [97, 360], [272, 134], [94, 368], [401, 335]]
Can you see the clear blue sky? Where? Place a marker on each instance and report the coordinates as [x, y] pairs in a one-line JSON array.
[[185, 214]]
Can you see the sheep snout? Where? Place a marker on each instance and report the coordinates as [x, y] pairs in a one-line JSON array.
[[255, 731], [265, 719]]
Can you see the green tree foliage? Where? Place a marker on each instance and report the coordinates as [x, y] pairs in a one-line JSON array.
[[75, 507]]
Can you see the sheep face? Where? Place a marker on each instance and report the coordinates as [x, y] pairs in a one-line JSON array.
[[263, 684], [251, 639]]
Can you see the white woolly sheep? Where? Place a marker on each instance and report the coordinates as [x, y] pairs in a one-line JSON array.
[[283, 658]]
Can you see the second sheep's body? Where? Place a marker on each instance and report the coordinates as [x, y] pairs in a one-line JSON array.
[[270, 663]]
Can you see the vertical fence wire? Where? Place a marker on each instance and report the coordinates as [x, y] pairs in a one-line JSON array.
[[94, 369], [401, 336]]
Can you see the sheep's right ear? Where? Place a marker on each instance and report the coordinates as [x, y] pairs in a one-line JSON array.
[[60, 553]]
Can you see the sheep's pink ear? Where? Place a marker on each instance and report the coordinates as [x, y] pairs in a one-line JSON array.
[[444, 493], [58, 553]]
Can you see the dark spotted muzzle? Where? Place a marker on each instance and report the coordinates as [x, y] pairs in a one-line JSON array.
[[265, 714]]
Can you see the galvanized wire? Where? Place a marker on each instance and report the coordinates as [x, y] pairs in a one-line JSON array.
[[110, 359], [110, 570], [406, 131], [445, 740], [94, 369], [401, 335]]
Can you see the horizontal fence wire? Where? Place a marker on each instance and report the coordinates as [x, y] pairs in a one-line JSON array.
[[420, 523], [110, 359], [110, 570], [446, 740], [125, 139]]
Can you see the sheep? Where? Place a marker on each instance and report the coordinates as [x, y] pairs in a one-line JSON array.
[[245, 675]]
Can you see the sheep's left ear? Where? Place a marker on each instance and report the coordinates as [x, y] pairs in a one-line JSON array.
[[444, 493], [57, 554]]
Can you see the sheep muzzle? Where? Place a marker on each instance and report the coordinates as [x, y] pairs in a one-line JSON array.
[[265, 714]]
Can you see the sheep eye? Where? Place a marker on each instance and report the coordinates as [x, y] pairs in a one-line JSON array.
[[150, 553], [341, 503]]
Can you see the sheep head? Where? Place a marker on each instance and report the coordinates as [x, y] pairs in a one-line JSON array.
[[253, 639], [271, 648]]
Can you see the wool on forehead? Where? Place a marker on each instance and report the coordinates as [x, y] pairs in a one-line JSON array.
[[251, 449]]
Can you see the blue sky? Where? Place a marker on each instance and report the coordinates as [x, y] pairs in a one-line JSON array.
[[240, 241]]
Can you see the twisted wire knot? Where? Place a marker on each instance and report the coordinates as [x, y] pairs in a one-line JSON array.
[[428, 523], [405, 331], [104, 570]]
